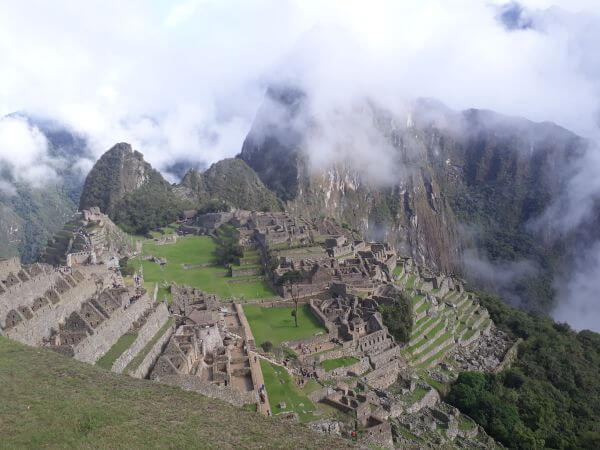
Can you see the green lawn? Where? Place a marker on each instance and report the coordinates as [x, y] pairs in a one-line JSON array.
[[277, 324], [51, 401], [345, 361], [281, 388], [116, 350], [197, 252]]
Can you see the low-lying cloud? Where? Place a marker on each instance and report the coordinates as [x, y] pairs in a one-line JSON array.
[[23, 154], [181, 81]]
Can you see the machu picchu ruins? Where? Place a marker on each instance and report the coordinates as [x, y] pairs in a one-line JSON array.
[[365, 384]]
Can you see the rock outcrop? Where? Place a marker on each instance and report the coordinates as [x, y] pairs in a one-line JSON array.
[[119, 171]]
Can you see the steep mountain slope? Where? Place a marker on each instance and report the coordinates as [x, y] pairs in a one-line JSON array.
[[410, 212], [29, 215], [50, 400], [130, 191], [118, 172], [232, 181], [471, 179]]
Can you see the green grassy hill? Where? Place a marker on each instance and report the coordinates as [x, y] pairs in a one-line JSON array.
[[51, 401]]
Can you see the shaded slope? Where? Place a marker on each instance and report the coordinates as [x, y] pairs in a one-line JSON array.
[[53, 401], [232, 181], [128, 190]]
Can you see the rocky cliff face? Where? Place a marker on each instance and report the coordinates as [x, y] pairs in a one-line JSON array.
[[231, 181], [412, 212], [471, 180], [118, 172]]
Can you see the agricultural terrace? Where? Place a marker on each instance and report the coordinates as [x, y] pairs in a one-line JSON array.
[[191, 262], [277, 324]]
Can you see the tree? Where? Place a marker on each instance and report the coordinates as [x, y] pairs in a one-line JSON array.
[[267, 346], [289, 280], [397, 317]]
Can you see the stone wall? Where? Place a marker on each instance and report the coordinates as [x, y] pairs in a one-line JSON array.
[[332, 354], [144, 335], [374, 342], [34, 330], [246, 272], [322, 318], [357, 368], [430, 399], [149, 360], [383, 377], [509, 357], [239, 309], [23, 293], [108, 332], [9, 265], [196, 384], [385, 357]]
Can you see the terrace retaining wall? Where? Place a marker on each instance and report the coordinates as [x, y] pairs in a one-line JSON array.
[[145, 334]]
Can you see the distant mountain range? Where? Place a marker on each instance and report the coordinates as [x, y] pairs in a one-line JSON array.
[[460, 181]]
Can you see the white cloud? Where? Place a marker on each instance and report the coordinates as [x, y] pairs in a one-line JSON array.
[[23, 151], [165, 77]]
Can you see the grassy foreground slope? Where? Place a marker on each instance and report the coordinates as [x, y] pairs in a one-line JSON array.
[[52, 401]]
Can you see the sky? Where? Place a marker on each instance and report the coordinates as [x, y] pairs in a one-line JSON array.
[[183, 80]]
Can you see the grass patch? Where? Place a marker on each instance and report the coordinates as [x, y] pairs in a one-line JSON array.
[[277, 324], [135, 362], [51, 401], [197, 252], [435, 357], [281, 388], [410, 282], [116, 350], [465, 424], [331, 364], [164, 293]]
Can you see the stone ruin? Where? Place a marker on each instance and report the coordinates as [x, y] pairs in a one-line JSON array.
[[210, 352], [80, 311], [89, 237]]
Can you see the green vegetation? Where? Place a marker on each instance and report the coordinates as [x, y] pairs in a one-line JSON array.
[[51, 401], [345, 361], [398, 317], [549, 398], [191, 261], [228, 251], [135, 362], [277, 324], [116, 350], [126, 269], [149, 207], [230, 182], [281, 388]]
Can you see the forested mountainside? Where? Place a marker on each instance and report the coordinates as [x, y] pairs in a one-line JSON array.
[[470, 179], [29, 215], [549, 398], [232, 181]]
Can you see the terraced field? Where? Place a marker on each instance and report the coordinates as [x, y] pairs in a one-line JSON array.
[[457, 318]]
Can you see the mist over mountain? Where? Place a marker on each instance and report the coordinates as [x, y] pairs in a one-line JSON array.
[[42, 168], [320, 101]]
